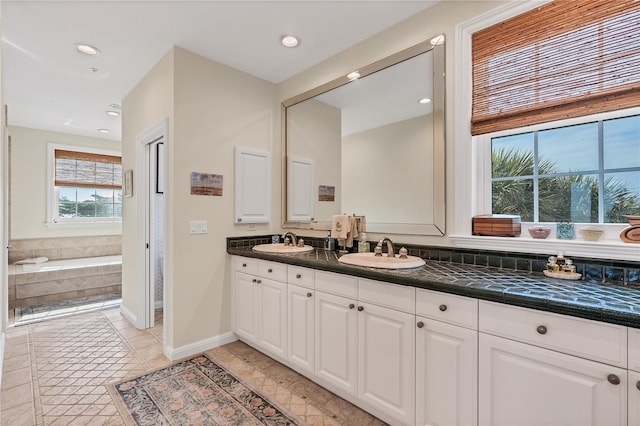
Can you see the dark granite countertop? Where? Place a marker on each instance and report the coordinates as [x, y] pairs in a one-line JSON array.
[[608, 303]]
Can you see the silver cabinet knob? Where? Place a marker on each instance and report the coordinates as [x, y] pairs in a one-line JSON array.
[[541, 329], [351, 306], [638, 385], [298, 276], [420, 324], [255, 280], [244, 265], [360, 308], [442, 307], [309, 294], [269, 270]]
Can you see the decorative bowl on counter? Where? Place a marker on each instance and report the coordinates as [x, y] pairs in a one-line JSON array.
[[633, 220], [591, 233], [539, 231]]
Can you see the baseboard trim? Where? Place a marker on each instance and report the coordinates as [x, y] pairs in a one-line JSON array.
[[129, 315], [198, 347]]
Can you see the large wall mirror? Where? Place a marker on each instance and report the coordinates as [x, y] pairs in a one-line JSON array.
[[371, 144]]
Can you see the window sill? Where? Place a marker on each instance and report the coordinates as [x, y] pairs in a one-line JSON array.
[[603, 249], [105, 224]]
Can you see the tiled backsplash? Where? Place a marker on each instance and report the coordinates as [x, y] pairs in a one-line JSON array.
[[65, 248], [613, 272]]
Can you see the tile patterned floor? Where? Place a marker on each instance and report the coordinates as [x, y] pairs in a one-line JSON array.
[[55, 373]]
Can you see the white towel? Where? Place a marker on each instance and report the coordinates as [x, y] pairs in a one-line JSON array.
[[340, 226], [33, 261], [353, 231]]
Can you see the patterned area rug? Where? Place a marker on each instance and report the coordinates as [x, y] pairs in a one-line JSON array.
[[195, 392]]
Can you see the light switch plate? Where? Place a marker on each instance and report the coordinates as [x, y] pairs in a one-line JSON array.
[[198, 227]]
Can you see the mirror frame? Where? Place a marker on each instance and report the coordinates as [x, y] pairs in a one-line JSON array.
[[439, 137]]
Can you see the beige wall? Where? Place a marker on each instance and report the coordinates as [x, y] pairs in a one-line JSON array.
[[439, 19], [28, 182], [147, 104]]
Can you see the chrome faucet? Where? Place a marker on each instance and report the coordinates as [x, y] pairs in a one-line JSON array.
[[289, 242], [390, 251]]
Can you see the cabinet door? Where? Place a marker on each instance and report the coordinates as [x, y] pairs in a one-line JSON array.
[[446, 374], [386, 361], [300, 327], [245, 307], [336, 341], [272, 314], [634, 398], [520, 384], [252, 192]]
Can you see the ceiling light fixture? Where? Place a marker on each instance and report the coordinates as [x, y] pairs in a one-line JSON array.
[[103, 130], [424, 100], [353, 75], [94, 70], [288, 40], [87, 49], [113, 113]]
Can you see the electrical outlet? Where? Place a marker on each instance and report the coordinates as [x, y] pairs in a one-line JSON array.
[[198, 227]]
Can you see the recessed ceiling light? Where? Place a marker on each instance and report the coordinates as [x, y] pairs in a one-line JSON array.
[[113, 113], [439, 39], [103, 130], [115, 106], [424, 100], [94, 70], [353, 75], [289, 40], [87, 49]]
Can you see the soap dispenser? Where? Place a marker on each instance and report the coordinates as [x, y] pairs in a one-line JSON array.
[[329, 243], [363, 244]]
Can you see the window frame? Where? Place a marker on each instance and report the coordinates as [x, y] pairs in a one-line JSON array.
[[484, 157], [52, 191]]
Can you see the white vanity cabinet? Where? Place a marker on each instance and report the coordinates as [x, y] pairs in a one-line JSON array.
[[529, 375], [260, 304], [446, 359], [300, 327], [634, 377]]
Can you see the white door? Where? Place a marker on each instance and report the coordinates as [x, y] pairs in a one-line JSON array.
[[386, 361], [634, 398], [336, 341], [300, 327], [520, 384], [246, 305], [272, 314], [446, 374]]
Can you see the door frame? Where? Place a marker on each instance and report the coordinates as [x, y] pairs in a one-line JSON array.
[[145, 316]]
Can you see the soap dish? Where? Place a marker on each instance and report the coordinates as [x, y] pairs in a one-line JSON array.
[[563, 275]]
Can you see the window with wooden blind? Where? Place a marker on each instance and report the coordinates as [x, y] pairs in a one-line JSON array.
[[87, 186], [568, 58]]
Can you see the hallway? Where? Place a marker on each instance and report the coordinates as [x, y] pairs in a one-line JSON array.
[[55, 373]]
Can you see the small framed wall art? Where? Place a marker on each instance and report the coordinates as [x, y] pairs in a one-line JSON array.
[[127, 183]]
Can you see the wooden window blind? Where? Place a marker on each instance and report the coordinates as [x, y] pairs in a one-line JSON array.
[[83, 169], [565, 59]]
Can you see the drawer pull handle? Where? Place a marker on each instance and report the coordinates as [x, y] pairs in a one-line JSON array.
[[351, 306], [244, 265], [613, 379], [361, 308], [309, 294], [638, 385], [443, 308], [269, 270], [541, 329], [420, 324], [298, 276]]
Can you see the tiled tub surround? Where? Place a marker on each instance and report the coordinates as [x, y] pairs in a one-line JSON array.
[[61, 280], [494, 276], [77, 267]]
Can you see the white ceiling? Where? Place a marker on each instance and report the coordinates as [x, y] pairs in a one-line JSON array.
[[48, 85]]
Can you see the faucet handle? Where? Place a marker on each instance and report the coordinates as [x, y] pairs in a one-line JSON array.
[[300, 242], [377, 250], [403, 253], [287, 241]]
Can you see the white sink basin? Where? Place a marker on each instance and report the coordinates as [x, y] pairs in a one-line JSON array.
[[370, 260], [281, 248]]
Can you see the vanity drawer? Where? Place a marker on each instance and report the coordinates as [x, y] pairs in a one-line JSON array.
[[593, 340], [300, 276], [246, 265], [341, 285], [272, 270], [394, 296], [634, 349], [449, 308]]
